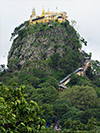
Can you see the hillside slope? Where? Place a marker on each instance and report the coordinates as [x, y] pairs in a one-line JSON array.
[[39, 42], [42, 55]]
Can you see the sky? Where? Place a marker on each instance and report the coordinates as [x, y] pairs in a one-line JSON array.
[[85, 12]]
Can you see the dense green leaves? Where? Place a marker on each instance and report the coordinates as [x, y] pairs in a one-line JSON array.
[[18, 30], [95, 66], [16, 114], [81, 97], [74, 106], [49, 94], [48, 113], [92, 126]]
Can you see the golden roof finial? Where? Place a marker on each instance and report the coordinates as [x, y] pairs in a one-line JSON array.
[[43, 12], [47, 11], [56, 9], [33, 12]]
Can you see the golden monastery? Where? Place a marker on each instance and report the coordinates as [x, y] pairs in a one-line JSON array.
[[47, 17]]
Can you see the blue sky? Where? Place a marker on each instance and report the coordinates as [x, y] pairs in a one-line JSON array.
[[85, 12]]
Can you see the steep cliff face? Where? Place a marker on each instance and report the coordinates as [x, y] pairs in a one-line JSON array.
[[40, 42]]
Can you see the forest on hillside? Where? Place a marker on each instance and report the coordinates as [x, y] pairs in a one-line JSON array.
[[30, 100]]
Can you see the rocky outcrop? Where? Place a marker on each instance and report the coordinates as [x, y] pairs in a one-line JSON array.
[[41, 44]]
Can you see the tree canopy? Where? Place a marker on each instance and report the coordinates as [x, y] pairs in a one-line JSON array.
[[81, 97], [16, 114]]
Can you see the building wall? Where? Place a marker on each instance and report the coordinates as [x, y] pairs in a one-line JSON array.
[[38, 21], [46, 19]]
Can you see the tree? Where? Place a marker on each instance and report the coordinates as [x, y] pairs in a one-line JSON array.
[[95, 66], [93, 72], [61, 107], [44, 95], [52, 81], [2, 67], [33, 81], [74, 79], [17, 115], [89, 73], [81, 97], [18, 29], [83, 41], [49, 94], [48, 113], [70, 114], [64, 111], [72, 126], [3, 70], [54, 60]]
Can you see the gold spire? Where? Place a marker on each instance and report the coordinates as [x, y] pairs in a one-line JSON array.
[[47, 11], [43, 12], [56, 9], [33, 12]]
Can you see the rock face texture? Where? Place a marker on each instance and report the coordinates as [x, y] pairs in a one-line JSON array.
[[40, 41]]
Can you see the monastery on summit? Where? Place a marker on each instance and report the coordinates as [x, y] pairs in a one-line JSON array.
[[47, 17]]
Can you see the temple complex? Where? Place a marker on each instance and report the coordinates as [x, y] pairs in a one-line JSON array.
[[47, 17]]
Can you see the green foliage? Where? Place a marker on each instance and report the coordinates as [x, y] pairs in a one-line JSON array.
[[33, 80], [74, 79], [17, 115], [74, 125], [41, 30], [48, 130], [64, 111], [41, 77], [89, 73], [61, 107], [54, 60], [79, 80], [48, 113], [56, 46], [92, 126], [81, 97], [49, 94], [87, 114], [42, 95], [32, 76], [71, 114], [52, 81], [13, 64], [83, 41], [3, 70], [20, 29], [63, 66], [2, 67], [95, 66], [30, 91]]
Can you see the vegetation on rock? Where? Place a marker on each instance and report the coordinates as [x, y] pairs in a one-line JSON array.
[[39, 58]]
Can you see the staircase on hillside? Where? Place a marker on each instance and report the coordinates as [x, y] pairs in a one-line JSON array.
[[80, 71]]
